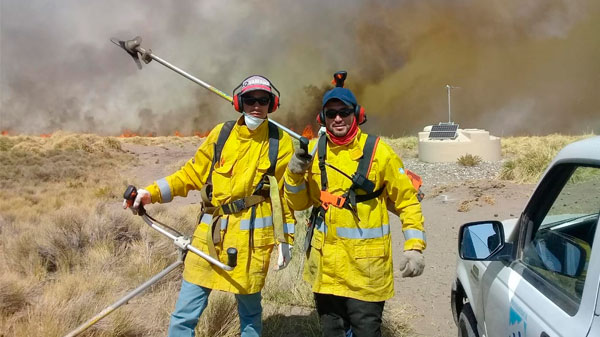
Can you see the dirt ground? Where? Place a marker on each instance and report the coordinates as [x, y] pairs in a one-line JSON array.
[[446, 207]]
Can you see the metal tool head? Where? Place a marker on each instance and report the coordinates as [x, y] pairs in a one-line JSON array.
[[339, 78], [131, 47]]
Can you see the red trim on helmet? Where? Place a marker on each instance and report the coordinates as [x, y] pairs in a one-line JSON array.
[[257, 86]]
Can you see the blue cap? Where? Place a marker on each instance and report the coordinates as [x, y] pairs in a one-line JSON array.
[[343, 94]]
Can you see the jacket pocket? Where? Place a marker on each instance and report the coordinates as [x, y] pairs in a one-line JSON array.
[[199, 237], [260, 252], [373, 174], [370, 263]]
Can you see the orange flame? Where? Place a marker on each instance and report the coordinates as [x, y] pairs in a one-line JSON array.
[[5, 132], [177, 134], [201, 134], [308, 132], [46, 135], [127, 134]]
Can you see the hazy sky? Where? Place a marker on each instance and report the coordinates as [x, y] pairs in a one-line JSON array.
[[523, 67]]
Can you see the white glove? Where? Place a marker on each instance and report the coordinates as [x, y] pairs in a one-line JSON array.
[[284, 255], [412, 263], [143, 197]]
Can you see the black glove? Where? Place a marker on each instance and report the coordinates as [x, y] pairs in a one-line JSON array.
[[300, 161]]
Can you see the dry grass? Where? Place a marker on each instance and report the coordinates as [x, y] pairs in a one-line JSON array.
[[163, 140], [67, 249], [528, 157], [469, 160], [405, 147]]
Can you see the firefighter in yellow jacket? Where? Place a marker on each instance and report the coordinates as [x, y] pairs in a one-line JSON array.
[[352, 182], [233, 163]]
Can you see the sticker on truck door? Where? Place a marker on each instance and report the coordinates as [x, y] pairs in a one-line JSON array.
[[517, 321]]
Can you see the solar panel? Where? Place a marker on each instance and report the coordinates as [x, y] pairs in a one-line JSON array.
[[443, 131]]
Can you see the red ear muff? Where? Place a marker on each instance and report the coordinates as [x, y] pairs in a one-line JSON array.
[[359, 114], [321, 118], [274, 103], [238, 105]]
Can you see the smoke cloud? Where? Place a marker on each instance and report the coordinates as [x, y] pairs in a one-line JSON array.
[[521, 67]]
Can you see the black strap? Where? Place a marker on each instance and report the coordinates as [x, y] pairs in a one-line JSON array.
[[273, 152], [218, 147], [364, 165], [273, 148], [368, 196], [224, 135], [322, 148], [360, 178]]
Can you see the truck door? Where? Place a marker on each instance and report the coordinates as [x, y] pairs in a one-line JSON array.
[[551, 287]]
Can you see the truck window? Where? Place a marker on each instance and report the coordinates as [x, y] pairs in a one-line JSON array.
[[559, 250]]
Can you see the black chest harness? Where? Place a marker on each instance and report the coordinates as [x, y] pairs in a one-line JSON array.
[[266, 188], [350, 198]]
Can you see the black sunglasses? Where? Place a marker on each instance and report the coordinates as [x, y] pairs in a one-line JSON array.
[[261, 100], [343, 113]]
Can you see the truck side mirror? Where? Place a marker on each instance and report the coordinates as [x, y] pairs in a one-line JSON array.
[[480, 240]]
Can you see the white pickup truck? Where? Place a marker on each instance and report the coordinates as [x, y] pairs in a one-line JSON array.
[[538, 275]]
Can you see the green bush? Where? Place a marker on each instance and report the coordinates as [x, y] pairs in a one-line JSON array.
[[469, 160]]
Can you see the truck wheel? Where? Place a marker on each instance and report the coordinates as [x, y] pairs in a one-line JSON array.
[[467, 325]]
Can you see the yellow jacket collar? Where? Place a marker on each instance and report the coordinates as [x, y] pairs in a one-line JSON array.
[[245, 133], [354, 146]]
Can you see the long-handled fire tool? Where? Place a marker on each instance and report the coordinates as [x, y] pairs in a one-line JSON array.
[[183, 244], [133, 48]]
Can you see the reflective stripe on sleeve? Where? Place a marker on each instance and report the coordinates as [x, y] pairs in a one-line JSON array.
[[363, 233], [414, 234], [165, 190], [288, 228], [258, 223], [294, 189]]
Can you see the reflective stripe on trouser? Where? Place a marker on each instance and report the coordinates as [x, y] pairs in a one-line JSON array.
[[192, 301]]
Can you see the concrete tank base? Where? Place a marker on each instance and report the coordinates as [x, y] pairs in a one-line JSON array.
[[469, 141]]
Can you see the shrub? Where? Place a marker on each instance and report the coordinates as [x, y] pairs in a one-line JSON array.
[[13, 294], [469, 160]]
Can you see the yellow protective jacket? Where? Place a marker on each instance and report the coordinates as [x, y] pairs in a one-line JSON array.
[[243, 162], [348, 257]]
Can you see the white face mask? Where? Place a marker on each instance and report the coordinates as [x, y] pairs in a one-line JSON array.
[[253, 122]]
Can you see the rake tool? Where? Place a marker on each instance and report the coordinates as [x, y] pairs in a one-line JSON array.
[[134, 49], [183, 244]]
